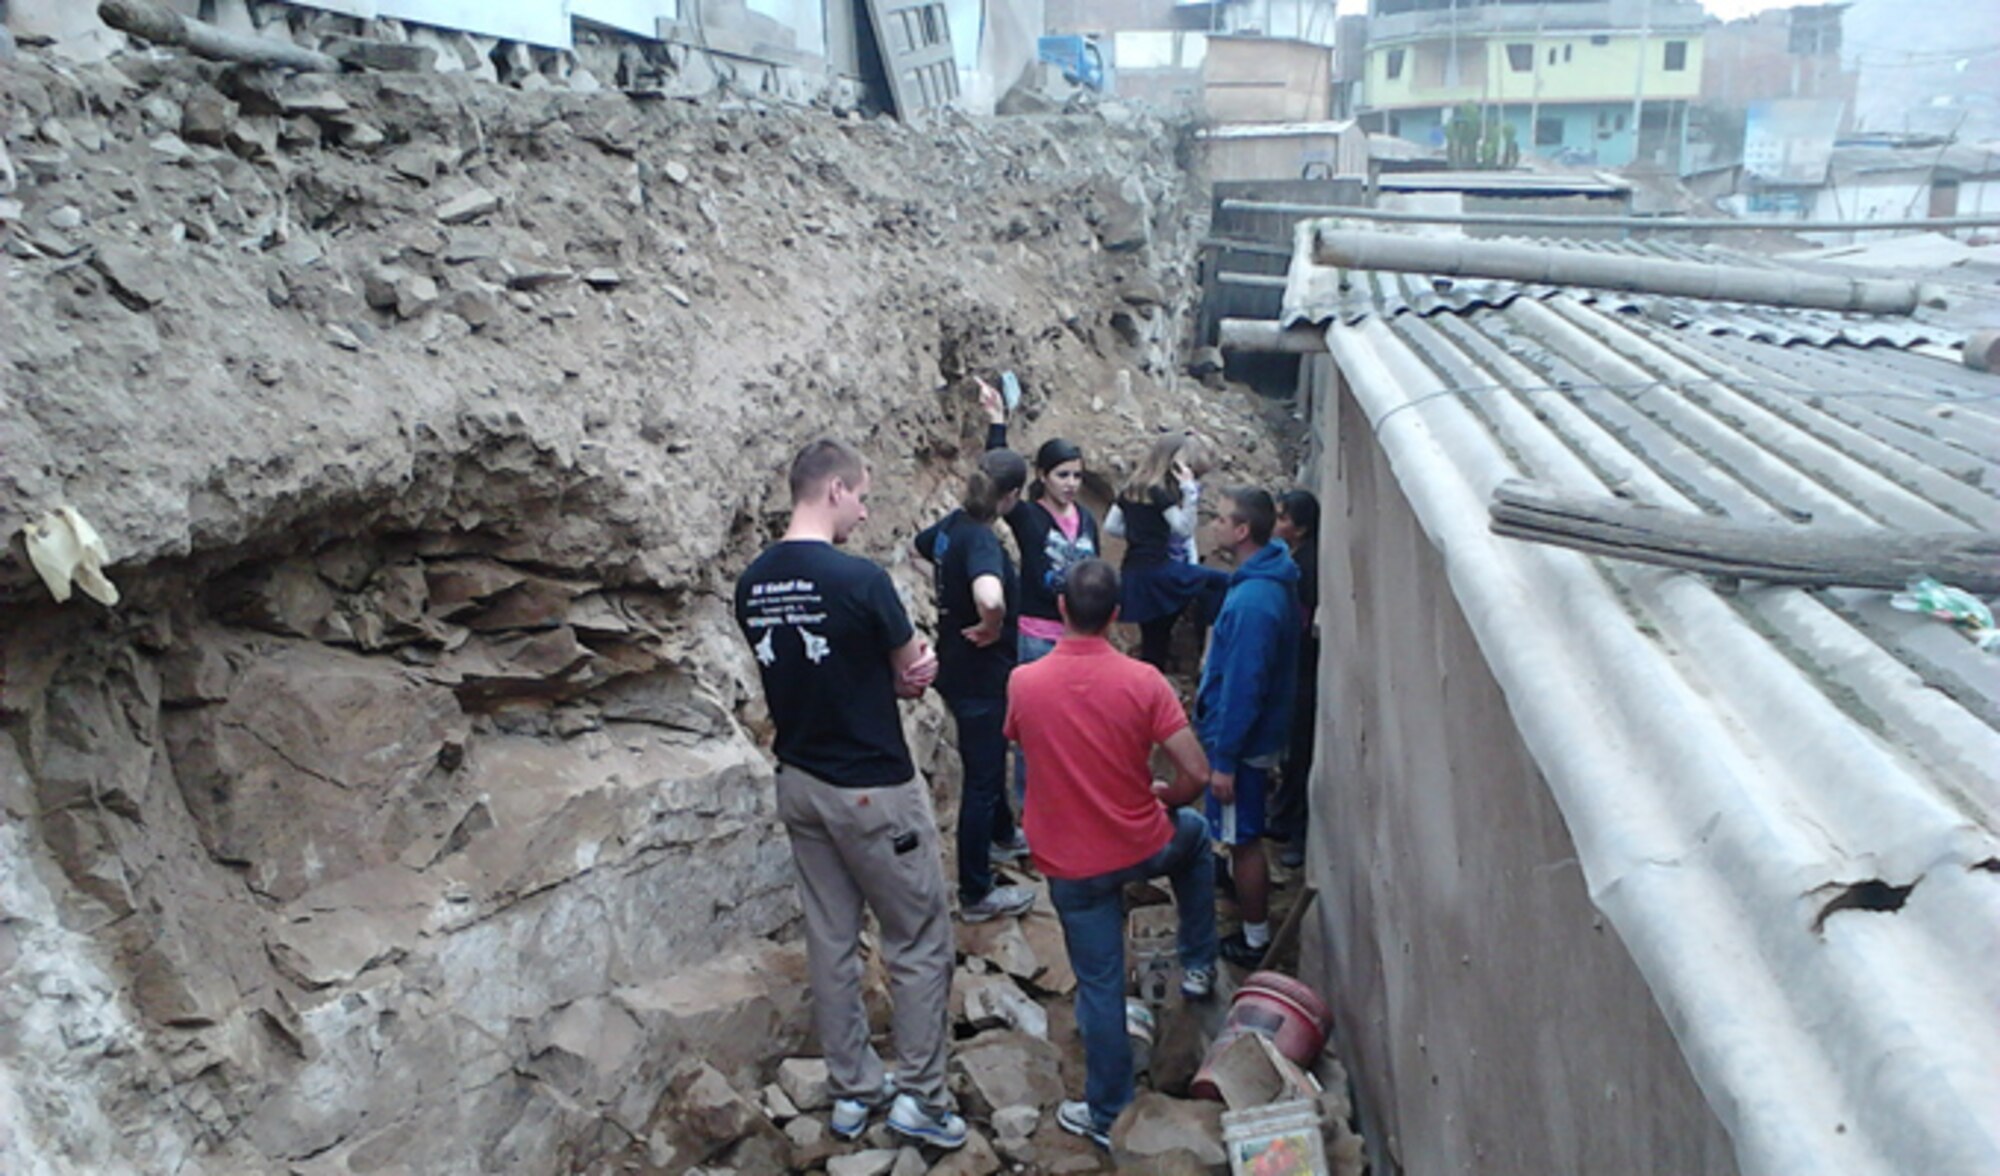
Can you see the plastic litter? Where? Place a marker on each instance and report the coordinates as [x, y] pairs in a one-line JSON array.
[[1954, 605], [1282, 1139], [1010, 389], [66, 550]]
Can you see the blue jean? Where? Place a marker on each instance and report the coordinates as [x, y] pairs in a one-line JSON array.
[[983, 815], [1031, 649], [1092, 911]]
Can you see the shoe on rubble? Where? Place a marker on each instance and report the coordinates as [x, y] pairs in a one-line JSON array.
[[911, 1119], [1237, 950], [850, 1115], [1198, 983], [1001, 900], [1075, 1118]]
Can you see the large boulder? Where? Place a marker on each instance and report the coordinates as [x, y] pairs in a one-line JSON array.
[[1004, 1068], [1159, 1133]]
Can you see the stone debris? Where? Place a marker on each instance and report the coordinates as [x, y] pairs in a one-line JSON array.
[[777, 1105], [206, 117], [468, 206], [976, 1158], [1004, 1068], [804, 1081], [1002, 944], [388, 56], [996, 1002], [874, 1162], [811, 1142], [1016, 1122], [1159, 1133], [138, 279]]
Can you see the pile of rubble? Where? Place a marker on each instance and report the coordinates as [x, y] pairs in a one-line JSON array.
[[408, 808], [1017, 1056]]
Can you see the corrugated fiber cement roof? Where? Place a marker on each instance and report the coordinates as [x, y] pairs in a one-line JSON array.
[[1731, 763]]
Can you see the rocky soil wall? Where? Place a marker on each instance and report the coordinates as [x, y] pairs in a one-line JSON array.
[[407, 813]]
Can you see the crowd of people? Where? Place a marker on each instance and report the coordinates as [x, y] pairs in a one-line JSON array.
[[1026, 605]]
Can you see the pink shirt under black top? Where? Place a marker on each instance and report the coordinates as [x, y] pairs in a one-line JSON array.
[[1087, 717], [1043, 627]]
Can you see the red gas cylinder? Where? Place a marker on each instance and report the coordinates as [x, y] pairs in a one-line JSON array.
[[1278, 1007]]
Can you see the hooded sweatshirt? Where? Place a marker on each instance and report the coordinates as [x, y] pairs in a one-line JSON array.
[[1244, 706]]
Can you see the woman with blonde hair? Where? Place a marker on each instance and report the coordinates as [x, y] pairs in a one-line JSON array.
[[1157, 508]]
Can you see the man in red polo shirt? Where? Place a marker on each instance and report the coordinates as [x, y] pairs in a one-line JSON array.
[[1087, 718]]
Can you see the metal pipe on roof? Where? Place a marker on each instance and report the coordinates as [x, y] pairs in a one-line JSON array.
[[1265, 335], [1365, 249], [1656, 223], [1259, 281]]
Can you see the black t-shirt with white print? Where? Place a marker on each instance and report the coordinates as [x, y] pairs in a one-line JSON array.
[[822, 625], [962, 549]]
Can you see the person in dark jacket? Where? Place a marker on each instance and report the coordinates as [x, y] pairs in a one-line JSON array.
[[978, 599], [1244, 705], [1298, 527]]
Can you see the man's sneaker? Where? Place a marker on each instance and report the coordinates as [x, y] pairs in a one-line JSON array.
[[1198, 983], [1010, 851], [1076, 1119], [1001, 900], [850, 1115], [1237, 950], [1292, 856], [912, 1120]]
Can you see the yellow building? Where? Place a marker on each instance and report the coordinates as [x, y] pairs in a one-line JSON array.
[[1567, 75]]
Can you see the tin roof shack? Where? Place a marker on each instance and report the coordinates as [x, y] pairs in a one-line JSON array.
[[1252, 79], [1625, 869]]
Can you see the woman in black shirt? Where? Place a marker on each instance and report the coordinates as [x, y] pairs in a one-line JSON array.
[[978, 594]]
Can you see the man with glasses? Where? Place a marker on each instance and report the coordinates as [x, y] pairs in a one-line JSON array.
[[1243, 708]]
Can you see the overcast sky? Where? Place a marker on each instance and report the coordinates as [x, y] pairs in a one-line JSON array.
[[1726, 9]]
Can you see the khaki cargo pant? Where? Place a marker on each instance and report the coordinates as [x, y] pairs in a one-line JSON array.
[[877, 846]]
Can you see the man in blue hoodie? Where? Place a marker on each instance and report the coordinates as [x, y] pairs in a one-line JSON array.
[[1244, 707]]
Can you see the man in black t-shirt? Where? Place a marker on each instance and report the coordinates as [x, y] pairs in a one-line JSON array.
[[835, 651]]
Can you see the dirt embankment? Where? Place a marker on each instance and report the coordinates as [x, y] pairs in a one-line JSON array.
[[407, 809]]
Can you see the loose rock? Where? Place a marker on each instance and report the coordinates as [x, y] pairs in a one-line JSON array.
[[804, 1081], [1158, 1132], [875, 1162], [468, 206]]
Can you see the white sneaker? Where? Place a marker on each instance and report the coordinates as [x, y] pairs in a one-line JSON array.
[[1075, 1118], [910, 1118], [1001, 900], [850, 1115]]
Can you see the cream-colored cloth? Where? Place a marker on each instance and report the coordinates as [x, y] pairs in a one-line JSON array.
[[66, 550]]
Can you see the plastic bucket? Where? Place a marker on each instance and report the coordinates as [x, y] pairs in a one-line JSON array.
[[1275, 1006]]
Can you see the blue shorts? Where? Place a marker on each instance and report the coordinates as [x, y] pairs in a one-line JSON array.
[[1241, 823]]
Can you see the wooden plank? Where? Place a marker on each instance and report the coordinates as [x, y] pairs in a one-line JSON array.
[[914, 37], [1776, 553]]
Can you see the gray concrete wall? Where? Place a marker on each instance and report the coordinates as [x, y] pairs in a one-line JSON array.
[[1493, 1020]]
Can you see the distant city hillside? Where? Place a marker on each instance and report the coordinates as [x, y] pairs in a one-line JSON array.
[[1928, 74]]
